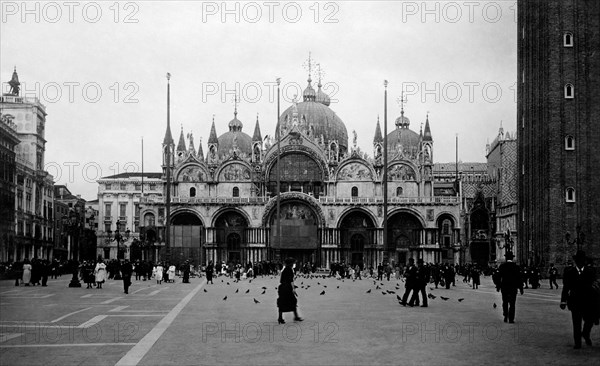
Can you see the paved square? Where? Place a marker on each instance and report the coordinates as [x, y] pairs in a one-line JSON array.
[[191, 324]]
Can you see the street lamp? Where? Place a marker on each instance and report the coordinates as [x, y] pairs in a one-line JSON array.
[[579, 239], [71, 223], [118, 237]]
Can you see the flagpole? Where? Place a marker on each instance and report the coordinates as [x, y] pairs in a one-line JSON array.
[[168, 193], [142, 168], [385, 163], [278, 127]]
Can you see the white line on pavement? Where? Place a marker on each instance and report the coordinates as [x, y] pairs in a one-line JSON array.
[[68, 315], [111, 300], [119, 308], [92, 321], [66, 345], [135, 355], [6, 336]]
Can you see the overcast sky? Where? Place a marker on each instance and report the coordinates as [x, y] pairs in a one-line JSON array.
[[99, 67]]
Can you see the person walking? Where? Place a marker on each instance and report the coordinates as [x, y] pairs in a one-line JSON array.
[[100, 273], [158, 273], [287, 300], [508, 280], [26, 272], [126, 272], [552, 273], [410, 275], [581, 299], [421, 281], [209, 272]]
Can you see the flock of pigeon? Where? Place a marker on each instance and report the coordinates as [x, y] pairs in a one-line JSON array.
[[309, 278]]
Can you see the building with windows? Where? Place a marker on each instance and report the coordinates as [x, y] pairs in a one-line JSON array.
[[118, 216], [225, 206], [71, 224], [9, 139], [34, 192], [559, 133]]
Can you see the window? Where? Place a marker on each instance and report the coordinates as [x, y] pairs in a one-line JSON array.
[[570, 194], [236, 192], [138, 186], [569, 143], [399, 191], [354, 192], [192, 192], [569, 91], [107, 207], [568, 39], [122, 209], [107, 227], [123, 186]]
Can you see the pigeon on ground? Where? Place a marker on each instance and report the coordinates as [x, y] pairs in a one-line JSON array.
[[256, 301], [322, 293], [262, 293], [318, 283], [205, 290], [369, 291], [225, 298], [445, 298], [495, 306], [248, 290], [250, 281], [398, 297], [431, 296], [383, 292], [264, 288], [238, 290], [377, 288], [460, 300], [227, 283], [338, 287], [325, 286], [391, 292]]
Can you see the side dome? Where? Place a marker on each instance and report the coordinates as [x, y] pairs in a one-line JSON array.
[[235, 138], [319, 120]]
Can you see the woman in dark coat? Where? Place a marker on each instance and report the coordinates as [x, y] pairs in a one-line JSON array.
[[209, 272], [287, 301]]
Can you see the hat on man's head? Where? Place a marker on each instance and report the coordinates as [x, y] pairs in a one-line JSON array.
[[580, 255], [290, 260], [509, 255]]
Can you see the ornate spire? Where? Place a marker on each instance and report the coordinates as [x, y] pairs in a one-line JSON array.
[[212, 138], [402, 121], [191, 149], [200, 154], [321, 96], [427, 133], [257, 135], [378, 137], [309, 94], [181, 144]]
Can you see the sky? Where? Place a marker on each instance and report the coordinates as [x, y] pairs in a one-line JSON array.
[[100, 69]]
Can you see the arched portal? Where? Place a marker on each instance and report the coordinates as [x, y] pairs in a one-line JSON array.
[[230, 230], [299, 236], [480, 238], [297, 173], [404, 232], [186, 238], [357, 230]]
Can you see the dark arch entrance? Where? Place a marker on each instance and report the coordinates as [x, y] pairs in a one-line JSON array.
[[186, 238], [357, 230], [480, 240], [404, 232], [230, 230], [299, 232]]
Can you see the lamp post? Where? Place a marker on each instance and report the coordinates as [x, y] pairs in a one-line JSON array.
[[120, 238], [71, 223]]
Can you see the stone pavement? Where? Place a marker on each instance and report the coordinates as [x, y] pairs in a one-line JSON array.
[[191, 324]]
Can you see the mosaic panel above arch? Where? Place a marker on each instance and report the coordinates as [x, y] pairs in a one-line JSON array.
[[401, 173], [192, 173], [355, 172], [235, 173]]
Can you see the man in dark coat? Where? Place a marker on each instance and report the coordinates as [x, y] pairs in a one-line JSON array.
[[126, 272], [508, 280], [411, 274], [423, 277], [579, 296], [552, 273]]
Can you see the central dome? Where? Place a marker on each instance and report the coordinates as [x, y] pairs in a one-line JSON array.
[[405, 140], [236, 137], [320, 120]]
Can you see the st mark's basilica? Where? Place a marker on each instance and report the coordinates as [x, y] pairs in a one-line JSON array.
[[224, 204]]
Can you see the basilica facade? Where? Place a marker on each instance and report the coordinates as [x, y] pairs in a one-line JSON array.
[[311, 194]]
